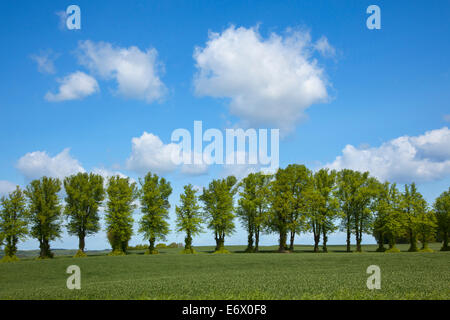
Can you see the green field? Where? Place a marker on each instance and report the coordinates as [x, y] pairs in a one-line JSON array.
[[265, 275]]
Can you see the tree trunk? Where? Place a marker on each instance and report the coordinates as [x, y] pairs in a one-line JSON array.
[[445, 246], [151, 247], [188, 241], [250, 238], [348, 234], [45, 249], [81, 243], [412, 242], [381, 247], [283, 236], [220, 245], [291, 242], [257, 240], [325, 239]]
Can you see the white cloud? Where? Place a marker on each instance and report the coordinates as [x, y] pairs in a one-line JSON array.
[[45, 62], [6, 187], [62, 18], [149, 153], [135, 71], [323, 46], [405, 159], [77, 85], [269, 81], [36, 164]]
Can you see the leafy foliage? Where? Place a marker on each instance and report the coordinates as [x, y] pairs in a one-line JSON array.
[[189, 218], [154, 198], [45, 212], [119, 209], [13, 221], [84, 196], [218, 208]]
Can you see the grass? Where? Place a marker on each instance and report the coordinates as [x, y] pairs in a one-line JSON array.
[[264, 275]]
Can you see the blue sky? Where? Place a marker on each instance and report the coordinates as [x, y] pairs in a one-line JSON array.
[[384, 92]]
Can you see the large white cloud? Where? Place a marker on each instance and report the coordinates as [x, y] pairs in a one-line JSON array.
[[36, 164], [77, 85], [269, 81], [136, 71], [405, 159], [6, 187], [149, 153]]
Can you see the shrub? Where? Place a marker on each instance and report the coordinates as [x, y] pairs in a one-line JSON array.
[[161, 246], [393, 250], [80, 254], [7, 259], [138, 247], [116, 253], [154, 251], [222, 250]]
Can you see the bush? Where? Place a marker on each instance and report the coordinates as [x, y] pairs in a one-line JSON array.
[[7, 259], [80, 254], [138, 247], [221, 251], [161, 246], [154, 251], [116, 253], [426, 250], [393, 250]]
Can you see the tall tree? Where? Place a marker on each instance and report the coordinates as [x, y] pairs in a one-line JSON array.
[[45, 212], [84, 196], [154, 197], [122, 194], [413, 205], [390, 221], [356, 191], [325, 184], [189, 216], [13, 222], [253, 206], [381, 209], [287, 202], [442, 210], [426, 228], [219, 207]]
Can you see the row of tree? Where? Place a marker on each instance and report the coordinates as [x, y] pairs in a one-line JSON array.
[[290, 202]]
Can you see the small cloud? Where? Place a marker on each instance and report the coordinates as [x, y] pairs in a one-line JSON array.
[[136, 72], [62, 15], [77, 85], [45, 61], [36, 164], [325, 49]]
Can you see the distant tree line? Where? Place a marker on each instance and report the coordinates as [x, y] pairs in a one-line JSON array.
[[295, 200]]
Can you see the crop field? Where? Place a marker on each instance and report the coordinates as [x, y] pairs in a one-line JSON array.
[[264, 275]]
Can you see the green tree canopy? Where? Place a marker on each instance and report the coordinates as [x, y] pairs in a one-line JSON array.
[[84, 196], [45, 212], [189, 218], [13, 221], [154, 198], [218, 208], [253, 206], [122, 194], [442, 211]]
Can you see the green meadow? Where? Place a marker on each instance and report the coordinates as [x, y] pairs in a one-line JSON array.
[[238, 275]]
